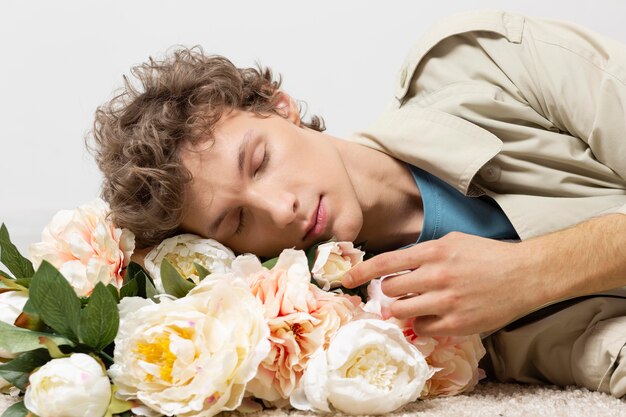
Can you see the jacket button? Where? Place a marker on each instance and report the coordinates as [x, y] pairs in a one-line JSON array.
[[490, 172]]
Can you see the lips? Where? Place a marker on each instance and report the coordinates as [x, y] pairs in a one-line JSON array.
[[313, 227]]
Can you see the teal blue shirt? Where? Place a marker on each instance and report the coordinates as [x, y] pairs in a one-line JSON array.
[[446, 210]]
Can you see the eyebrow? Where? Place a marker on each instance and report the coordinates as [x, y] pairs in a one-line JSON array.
[[241, 159]]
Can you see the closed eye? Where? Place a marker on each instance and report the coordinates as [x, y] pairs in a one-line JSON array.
[[241, 223], [263, 164]]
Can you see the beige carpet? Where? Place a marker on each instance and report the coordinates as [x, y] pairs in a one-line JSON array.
[[493, 399]]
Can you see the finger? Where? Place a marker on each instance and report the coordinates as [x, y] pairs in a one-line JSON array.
[[412, 282], [415, 306], [384, 264], [429, 326]]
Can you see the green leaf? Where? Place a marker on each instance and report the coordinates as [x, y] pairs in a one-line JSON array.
[[24, 282], [19, 266], [130, 289], [201, 271], [55, 300], [114, 292], [16, 410], [117, 406], [143, 284], [310, 257], [132, 270], [151, 291], [15, 339], [11, 283], [173, 283], [17, 370], [269, 264], [5, 274], [100, 320], [29, 318]]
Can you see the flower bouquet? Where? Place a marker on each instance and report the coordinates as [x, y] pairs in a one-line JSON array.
[[86, 332]]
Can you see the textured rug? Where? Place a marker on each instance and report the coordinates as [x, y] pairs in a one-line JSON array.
[[491, 399]]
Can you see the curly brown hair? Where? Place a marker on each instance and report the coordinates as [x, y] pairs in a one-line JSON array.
[[137, 135]]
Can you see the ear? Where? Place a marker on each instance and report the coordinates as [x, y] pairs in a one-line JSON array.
[[287, 107]]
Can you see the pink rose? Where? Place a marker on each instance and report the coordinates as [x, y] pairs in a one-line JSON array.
[[454, 358], [377, 301], [334, 310], [85, 246], [302, 318]]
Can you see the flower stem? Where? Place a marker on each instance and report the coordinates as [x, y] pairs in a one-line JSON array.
[[106, 356]]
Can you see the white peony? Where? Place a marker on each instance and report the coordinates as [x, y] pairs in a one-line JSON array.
[[85, 246], [182, 251], [368, 368], [11, 305], [76, 386], [332, 261], [191, 356]]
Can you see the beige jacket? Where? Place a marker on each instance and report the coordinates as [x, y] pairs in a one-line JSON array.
[[528, 111]]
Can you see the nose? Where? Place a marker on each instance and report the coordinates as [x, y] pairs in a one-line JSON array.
[[280, 205]]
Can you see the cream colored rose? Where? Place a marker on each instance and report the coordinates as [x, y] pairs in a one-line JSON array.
[[182, 252], [332, 261], [192, 356], [85, 246], [454, 359], [368, 368], [76, 386]]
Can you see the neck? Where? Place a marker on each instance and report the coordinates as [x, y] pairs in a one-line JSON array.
[[389, 198]]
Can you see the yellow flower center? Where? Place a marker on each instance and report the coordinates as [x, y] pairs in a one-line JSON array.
[[374, 365], [184, 264], [158, 353]]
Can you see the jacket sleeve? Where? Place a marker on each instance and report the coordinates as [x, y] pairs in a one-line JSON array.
[[577, 80]]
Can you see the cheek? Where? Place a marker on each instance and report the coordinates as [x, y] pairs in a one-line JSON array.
[[256, 241]]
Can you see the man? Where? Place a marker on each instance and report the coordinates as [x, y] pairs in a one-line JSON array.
[[522, 118], [533, 114]]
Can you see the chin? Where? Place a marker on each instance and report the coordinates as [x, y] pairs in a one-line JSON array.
[[350, 232]]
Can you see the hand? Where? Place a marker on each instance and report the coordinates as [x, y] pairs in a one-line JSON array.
[[457, 285]]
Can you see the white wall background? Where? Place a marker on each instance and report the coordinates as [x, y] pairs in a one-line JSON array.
[[60, 59]]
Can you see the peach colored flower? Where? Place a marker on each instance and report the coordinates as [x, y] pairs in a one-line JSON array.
[[302, 318], [85, 246], [453, 358]]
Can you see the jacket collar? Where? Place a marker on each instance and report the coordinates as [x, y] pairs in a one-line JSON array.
[[447, 146], [509, 25]]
